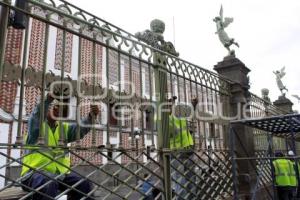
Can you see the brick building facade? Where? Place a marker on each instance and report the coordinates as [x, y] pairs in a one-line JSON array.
[[78, 52]]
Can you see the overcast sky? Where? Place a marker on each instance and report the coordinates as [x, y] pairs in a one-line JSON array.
[[268, 32]]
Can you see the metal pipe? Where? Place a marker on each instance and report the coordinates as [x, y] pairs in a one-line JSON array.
[[163, 121], [107, 86], [119, 99], [172, 90], [4, 14], [78, 92], [233, 163], [19, 139], [62, 136], [131, 102], [43, 137], [152, 122], [141, 94], [94, 52], [270, 152]]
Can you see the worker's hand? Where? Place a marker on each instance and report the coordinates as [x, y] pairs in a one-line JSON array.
[[94, 110], [194, 101], [50, 96]]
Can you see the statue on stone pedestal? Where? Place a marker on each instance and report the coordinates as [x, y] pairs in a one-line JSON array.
[[279, 75], [223, 36], [265, 95], [154, 37]]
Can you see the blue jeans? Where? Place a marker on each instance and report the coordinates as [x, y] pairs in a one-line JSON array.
[[53, 188], [285, 192]]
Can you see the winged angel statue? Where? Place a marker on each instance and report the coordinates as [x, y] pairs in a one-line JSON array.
[[279, 75], [221, 25]]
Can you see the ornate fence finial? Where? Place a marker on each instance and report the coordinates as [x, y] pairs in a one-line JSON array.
[[221, 25], [265, 94], [154, 37], [279, 75]]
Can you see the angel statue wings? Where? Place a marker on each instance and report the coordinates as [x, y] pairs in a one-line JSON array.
[[221, 25], [297, 97], [279, 75]]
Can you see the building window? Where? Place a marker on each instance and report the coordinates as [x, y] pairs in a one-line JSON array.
[[113, 121], [149, 136], [148, 120]]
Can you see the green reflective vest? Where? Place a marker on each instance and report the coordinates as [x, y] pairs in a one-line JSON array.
[[284, 173], [42, 158], [180, 136]]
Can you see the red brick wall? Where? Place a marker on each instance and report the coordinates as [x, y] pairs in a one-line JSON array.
[[88, 155], [8, 90], [86, 64], [37, 44], [59, 51], [35, 61], [135, 79], [127, 144], [86, 68]]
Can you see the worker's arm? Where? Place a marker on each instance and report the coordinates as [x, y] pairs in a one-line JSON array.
[[72, 131], [34, 121]]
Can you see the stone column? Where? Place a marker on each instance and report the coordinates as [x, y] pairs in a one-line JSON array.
[[284, 104], [236, 71]]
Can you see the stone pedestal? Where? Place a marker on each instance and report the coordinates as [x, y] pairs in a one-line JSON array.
[[236, 71], [284, 104]]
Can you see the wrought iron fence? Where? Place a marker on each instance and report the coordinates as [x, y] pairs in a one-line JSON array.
[[260, 107], [87, 61]]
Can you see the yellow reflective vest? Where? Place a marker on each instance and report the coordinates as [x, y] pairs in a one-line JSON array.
[[43, 158], [284, 172], [180, 136]]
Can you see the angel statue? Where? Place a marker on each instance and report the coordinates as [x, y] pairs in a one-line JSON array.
[[279, 75], [221, 25]]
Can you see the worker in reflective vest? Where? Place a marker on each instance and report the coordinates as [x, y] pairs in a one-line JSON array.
[[291, 156], [180, 136], [285, 177], [180, 139], [41, 166]]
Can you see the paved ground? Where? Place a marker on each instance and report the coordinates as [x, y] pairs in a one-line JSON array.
[[122, 191]]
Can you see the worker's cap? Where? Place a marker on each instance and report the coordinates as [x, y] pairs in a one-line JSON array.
[[278, 154], [170, 97], [291, 153]]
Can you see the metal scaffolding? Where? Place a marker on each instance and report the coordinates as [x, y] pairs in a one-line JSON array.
[[282, 126]]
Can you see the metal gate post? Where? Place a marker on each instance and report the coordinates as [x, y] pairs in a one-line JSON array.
[[271, 154], [295, 155], [4, 14], [162, 120], [233, 162]]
